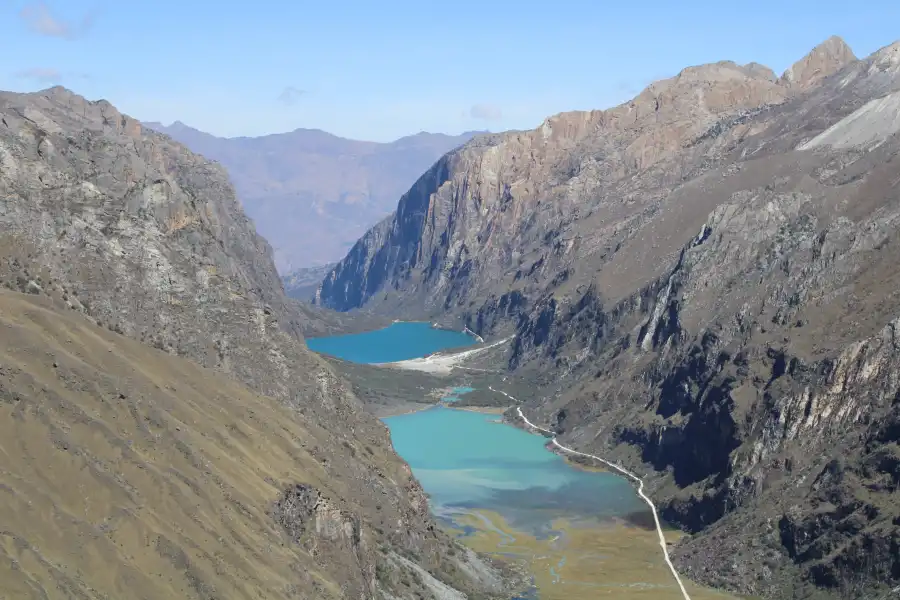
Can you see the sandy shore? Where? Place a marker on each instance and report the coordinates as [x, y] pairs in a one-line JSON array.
[[404, 408], [440, 364], [485, 410]]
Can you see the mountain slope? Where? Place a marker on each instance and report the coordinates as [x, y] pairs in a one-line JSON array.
[[129, 228], [310, 193], [523, 187], [704, 281], [133, 473]]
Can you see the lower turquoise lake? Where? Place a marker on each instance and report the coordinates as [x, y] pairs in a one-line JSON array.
[[400, 341], [468, 460]]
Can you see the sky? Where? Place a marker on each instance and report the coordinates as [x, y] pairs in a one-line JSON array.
[[379, 70]]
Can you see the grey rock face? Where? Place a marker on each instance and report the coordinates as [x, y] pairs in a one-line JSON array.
[[704, 279], [132, 229], [528, 186]]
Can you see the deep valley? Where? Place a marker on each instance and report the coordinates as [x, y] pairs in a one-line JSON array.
[[701, 285]]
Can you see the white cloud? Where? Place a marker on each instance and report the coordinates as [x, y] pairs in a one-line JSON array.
[[41, 20]]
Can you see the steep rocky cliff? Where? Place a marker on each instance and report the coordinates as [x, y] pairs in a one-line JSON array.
[[130, 229], [515, 205], [704, 279]]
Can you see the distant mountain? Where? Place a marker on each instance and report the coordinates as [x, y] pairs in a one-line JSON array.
[[302, 283], [313, 194]]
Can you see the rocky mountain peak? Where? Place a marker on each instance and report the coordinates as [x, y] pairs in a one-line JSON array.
[[58, 91], [694, 93], [712, 89], [756, 70], [825, 59], [59, 108]]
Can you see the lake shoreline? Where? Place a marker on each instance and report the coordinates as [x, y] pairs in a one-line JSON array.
[[399, 341], [441, 362], [411, 408], [559, 519]]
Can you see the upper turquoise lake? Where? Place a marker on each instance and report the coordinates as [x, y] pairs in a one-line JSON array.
[[400, 341]]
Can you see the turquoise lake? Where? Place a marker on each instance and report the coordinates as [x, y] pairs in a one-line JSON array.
[[400, 341], [467, 460]]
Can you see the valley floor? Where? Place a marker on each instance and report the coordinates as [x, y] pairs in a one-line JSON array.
[[582, 559]]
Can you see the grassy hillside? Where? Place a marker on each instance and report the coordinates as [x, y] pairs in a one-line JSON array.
[[129, 473]]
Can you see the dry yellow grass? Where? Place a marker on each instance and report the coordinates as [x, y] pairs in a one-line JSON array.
[[129, 473], [601, 561]]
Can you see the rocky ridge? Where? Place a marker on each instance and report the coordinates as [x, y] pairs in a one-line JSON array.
[[127, 227], [533, 185], [704, 281]]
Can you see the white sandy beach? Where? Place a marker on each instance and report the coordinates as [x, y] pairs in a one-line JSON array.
[[441, 364]]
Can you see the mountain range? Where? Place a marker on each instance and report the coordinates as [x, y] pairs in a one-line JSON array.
[[702, 284], [312, 194]]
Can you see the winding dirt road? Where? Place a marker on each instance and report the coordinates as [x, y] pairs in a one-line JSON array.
[[623, 471]]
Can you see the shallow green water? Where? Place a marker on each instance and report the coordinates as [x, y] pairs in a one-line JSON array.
[[456, 392], [400, 341]]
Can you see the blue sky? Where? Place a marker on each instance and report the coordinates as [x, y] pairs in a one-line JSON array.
[[378, 70]]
